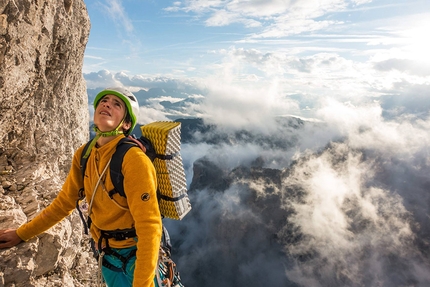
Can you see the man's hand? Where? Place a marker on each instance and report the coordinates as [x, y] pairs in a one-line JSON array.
[[9, 238]]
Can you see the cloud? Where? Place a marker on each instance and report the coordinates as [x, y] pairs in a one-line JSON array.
[[320, 76], [348, 224], [413, 67], [105, 78], [117, 13], [406, 100], [233, 106], [101, 79], [260, 8], [230, 102], [365, 127], [224, 18], [278, 18], [264, 8], [250, 86], [283, 28], [149, 115]]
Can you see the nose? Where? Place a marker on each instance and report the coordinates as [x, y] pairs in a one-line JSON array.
[[106, 104]]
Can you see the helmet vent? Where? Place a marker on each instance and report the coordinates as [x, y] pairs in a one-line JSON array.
[[132, 98]]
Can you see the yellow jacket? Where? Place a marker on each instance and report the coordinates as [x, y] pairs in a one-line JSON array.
[[143, 213]]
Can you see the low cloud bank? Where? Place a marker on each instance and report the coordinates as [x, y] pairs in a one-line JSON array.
[[346, 205]]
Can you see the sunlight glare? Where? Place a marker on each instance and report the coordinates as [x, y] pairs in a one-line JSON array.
[[417, 43]]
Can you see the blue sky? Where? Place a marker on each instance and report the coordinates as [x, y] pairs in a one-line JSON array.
[[186, 37], [267, 57]]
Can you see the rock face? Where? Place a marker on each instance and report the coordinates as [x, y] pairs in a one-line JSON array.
[[44, 118]]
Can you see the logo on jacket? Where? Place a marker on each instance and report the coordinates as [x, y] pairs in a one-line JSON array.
[[145, 197]]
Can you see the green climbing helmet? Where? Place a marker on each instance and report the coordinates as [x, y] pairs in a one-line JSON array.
[[127, 97]]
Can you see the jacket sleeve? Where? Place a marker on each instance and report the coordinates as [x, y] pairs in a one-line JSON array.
[[140, 185], [61, 207]]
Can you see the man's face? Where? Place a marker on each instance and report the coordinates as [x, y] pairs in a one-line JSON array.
[[109, 113]]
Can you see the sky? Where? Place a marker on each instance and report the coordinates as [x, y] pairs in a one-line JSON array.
[[193, 38], [268, 57]]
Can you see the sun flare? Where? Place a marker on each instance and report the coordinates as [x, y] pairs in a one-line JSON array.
[[416, 41]]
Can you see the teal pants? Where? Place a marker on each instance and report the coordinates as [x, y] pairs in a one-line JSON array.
[[115, 278], [120, 279]]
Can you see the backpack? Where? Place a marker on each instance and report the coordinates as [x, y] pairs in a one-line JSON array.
[[164, 153]]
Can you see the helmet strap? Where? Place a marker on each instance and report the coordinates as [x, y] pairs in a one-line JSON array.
[[99, 134]]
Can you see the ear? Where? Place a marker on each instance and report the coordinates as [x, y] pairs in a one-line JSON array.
[[126, 126]]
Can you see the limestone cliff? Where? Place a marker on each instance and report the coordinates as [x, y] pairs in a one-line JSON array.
[[43, 119]]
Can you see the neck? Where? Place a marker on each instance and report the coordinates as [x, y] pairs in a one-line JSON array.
[[105, 137], [101, 139]]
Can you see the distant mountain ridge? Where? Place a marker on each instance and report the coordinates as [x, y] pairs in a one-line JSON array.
[[174, 102], [195, 130]]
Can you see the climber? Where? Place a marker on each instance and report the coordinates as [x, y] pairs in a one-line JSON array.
[[126, 230]]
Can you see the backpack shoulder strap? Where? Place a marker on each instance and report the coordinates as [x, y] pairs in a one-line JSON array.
[[83, 163], [116, 165]]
